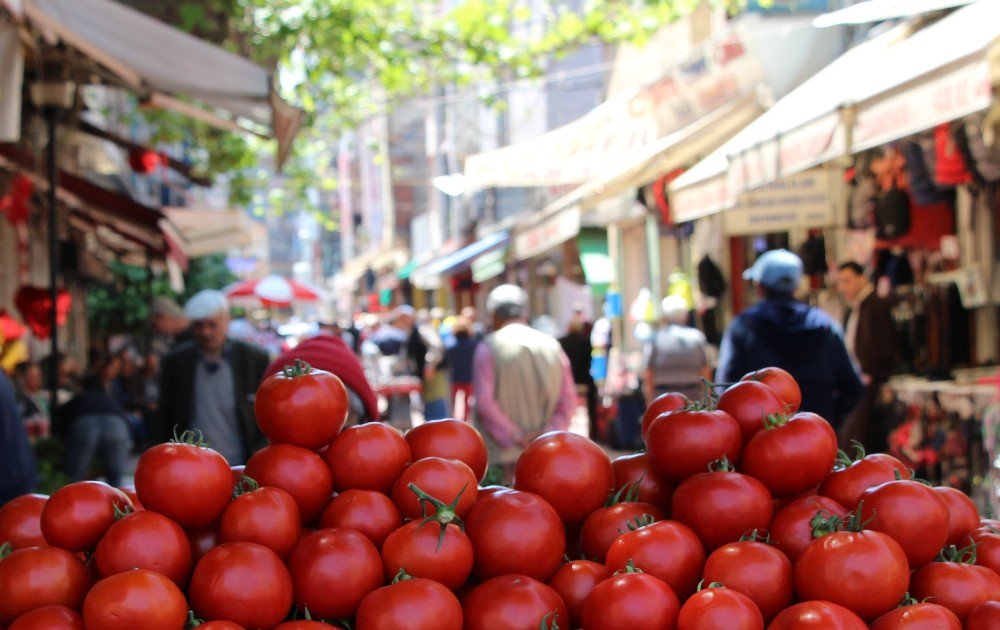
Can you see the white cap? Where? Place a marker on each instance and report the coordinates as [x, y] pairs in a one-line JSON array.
[[507, 301], [206, 304], [674, 309]]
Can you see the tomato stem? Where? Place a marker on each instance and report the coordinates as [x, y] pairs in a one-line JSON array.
[[401, 576], [550, 621], [5, 550], [757, 535], [121, 511], [965, 555], [443, 514], [299, 368], [245, 485], [824, 523], [721, 465]]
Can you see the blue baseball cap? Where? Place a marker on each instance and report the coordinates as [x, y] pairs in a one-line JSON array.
[[778, 269]]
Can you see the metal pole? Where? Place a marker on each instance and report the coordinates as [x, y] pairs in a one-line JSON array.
[[52, 116]]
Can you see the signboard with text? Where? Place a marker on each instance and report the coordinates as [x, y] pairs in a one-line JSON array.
[[804, 200]]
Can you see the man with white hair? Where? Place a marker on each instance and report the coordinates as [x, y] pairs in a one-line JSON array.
[[676, 358], [209, 384]]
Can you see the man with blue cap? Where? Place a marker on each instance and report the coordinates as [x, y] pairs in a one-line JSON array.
[[781, 331]]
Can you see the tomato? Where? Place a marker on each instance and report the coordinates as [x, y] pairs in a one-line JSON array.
[[202, 541], [241, 582], [40, 576], [987, 550], [569, 471], [668, 550], [722, 506], [21, 521], [135, 599], [963, 515], [606, 524], [133, 498], [653, 489], [717, 608], [515, 532], [169, 476], [781, 382], [414, 604], [488, 490], [304, 625], [894, 507], [957, 586], [817, 615], [366, 511], [684, 443], [221, 624], [664, 403], [301, 406], [749, 403], [512, 602], [573, 582], [449, 439], [299, 472], [333, 570], [865, 572], [985, 616], [923, 616], [852, 477], [368, 456], [756, 570], [631, 600], [791, 456], [266, 516], [49, 618], [76, 516], [424, 552], [791, 529], [448, 480], [145, 540]]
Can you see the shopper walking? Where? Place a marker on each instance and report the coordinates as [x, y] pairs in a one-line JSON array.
[[576, 344], [460, 349], [426, 357], [18, 472], [676, 358]]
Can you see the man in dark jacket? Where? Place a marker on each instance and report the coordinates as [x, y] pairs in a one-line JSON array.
[[18, 472], [782, 332]]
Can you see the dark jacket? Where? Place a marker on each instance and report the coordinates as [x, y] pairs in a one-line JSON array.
[[578, 350], [18, 473], [798, 338], [875, 345], [247, 362], [460, 352]]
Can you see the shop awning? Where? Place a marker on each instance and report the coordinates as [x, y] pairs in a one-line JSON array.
[[201, 231], [430, 273], [881, 10], [407, 270], [598, 268], [489, 265], [377, 260]]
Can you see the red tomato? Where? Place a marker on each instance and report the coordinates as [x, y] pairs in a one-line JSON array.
[[129, 491], [449, 439], [963, 516], [653, 489], [817, 615], [41, 576], [985, 616], [447, 480], [790, 457], [512, 602], [414, 604], [722, 506], [866, 572], [301, 406], [135, 599], [791, 529], [781, 382], [852, 477], [21, 521], [241, 582], [894, 507], [631, 600], [368, 456], [569, 471], [924, 616], [424, 552], [749, 403], [366, 511], [202, 541], [304, 625], [299, 472], [684, 443], [664, 403], [714, 608], [606, 524], [573, 582], [668, 550], [49, 618], [515, 532], [145, 540], [987, 550], [333, 570], [221, 624], [169, 476], [488, 490], [76, 516], [266, 516], [756, 570], [957, 586]]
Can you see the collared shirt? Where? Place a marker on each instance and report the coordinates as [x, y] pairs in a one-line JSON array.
[[214, 412], [851, 334]]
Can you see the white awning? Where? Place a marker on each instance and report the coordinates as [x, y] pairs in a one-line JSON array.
[[201, 231], [880, 10]]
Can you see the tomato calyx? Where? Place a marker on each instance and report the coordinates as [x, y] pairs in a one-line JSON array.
[[444, 514], [844, 460], [963, 555], [638, 522], [550, 621], [775, 420], [244, 485], [758, 535], [701, 585], [190, 437], [121, 511], [401, 576], [824, 523], [299, 368], [629, 568], [5, 550], [629, 493], [721, 465]]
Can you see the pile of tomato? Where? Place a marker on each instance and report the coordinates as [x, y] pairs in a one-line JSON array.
[[741, 514]]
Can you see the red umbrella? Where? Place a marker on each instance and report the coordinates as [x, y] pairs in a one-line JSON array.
[[275, 291]]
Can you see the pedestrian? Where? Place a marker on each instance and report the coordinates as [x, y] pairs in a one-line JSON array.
[[576, 344], [18, 471], [870, 338], [209, 384], [478, 330], [783, 332], [522, 380], [460, 349], [426, 357], [170, 326], [31, 399], [676, 357]]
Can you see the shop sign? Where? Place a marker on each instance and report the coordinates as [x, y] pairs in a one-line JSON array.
[[699, 200], [489, 265], [547, 234], [803, 200]]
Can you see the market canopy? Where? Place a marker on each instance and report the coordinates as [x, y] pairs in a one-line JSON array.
[[203, 231], [429, 275], [881, 10]]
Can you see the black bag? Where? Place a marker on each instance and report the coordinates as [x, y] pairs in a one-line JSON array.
[[892, 215], [813, 255], [711, 282]]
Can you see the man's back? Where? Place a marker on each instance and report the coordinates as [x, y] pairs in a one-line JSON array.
[[528, 368]]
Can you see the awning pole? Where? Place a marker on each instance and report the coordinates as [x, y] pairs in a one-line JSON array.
[[52, 118]]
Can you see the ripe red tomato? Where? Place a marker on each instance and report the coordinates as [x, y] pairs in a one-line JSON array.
[[963, 515], [817, 615], [713, 608], [852, 477], [169, 476], [447, 480], [49, 618], [301, 406], [606, 524], [791, 529], [569, 471], [512, 602], [333, 570], [424, 552], [781, 382], [413, 604], [722, 506], [304, 625], [135, 599], [299, 472], [985, 616], [987, 550], [242, 582], [957, 586], [76, 516], [368, 456], [865, 572], [790, 457], [145, 540], [266, 516], [684, 443], [664, 403], [631, 600], [756, 570], [40, 576], [133, 498], [21, 521], [202, 541], [749, 403], [920, 616], [668, 550], [653, 489], [449, 439], [894, 507], [515, 532], [573, 582], [221, 624], [366, 511]]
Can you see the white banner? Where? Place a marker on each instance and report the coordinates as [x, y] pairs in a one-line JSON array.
[[804, 200], [551, 232], [11, 76]]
